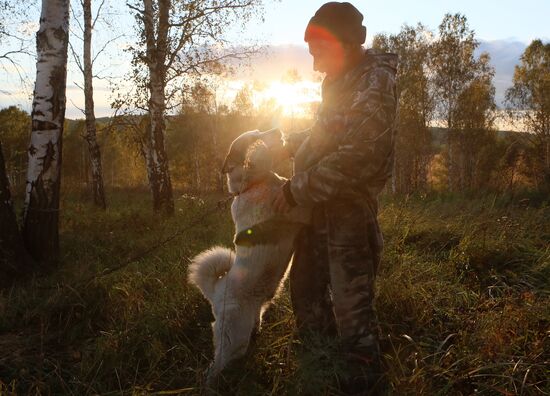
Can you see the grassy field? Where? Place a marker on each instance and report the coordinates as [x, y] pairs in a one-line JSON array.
[[463, 301]]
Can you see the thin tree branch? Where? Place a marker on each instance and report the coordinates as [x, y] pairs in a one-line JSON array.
[[98, 13], [139, 11], [76, 18], [73, 103], [76, 58], [105, 47]]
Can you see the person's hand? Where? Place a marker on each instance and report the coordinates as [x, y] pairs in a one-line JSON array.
[[280, 204]]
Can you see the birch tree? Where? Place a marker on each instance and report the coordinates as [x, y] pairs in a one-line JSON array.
[[41, 214], [416, 106], [528, 102], [475, 133], [454, 66], [179, 39], [85, 64], [156, 54]]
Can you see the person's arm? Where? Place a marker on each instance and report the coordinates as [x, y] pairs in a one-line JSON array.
[[365, 150]]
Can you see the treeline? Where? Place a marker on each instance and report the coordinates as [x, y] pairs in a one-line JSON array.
[[442, 82], [197, 143]]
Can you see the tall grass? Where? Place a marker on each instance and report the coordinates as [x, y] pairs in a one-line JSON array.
[[463, 302]]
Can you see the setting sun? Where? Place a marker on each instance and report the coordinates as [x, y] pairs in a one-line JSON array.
[[294, 99]]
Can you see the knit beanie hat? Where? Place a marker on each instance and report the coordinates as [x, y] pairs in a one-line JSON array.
[[340, 21]]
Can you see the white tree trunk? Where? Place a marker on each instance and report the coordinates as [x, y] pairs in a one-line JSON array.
[[93, 147], [41, 215], [157, 160]]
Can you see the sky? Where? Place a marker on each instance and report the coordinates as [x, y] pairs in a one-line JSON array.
[[491, 19], [505, 27]]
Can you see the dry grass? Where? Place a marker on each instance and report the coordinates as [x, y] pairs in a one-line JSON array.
[[463, 301]]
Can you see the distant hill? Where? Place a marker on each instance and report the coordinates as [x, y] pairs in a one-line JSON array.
[[439, 135]]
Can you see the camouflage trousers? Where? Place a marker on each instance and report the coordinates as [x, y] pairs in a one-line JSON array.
[[332, 277]]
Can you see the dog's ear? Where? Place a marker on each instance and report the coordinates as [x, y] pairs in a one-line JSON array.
[[272, 138], [238, 149]]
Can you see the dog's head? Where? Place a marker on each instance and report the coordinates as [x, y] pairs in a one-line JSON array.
[[249, 157]]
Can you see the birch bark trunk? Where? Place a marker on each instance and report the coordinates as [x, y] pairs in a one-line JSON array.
[[93, 147], [157, 160], [41, 215]]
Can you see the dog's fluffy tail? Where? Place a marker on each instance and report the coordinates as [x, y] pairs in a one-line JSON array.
[[208, 267]]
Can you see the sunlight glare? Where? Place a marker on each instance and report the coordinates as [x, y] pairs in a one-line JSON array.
[[294, 99]]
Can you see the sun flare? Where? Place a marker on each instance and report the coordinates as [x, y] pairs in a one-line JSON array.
[[293, 99]]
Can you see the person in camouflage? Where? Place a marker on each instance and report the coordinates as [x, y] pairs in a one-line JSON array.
[[341, 165]]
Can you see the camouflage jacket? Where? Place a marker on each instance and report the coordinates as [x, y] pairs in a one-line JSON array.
[[349, 149]]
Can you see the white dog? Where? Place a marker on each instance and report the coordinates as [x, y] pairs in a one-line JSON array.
[[239, 284]]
